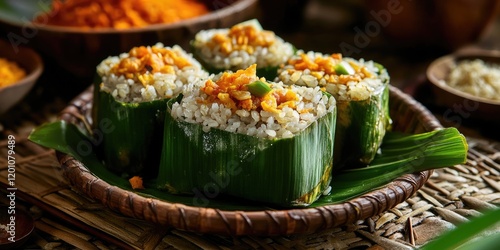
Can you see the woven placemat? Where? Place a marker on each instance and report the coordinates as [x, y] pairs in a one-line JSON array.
[[66, 219]]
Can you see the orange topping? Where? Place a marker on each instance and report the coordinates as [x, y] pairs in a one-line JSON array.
[[269, 103], [325, 64], [277, 100], [229, 82], [231, 90], [119, 14], [142, 61], [136, 182], [242, 37], [325, 67]]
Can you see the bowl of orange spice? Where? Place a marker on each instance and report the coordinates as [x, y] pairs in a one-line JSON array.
[[78, 34], [19, 72]]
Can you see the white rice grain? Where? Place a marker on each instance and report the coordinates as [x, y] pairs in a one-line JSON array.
[[164, 85], [276, 54], [352, 90], [283, 124], [476, 77]]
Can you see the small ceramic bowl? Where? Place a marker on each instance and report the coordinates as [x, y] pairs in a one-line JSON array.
[[30, 61], [461, 104], [21, 223]]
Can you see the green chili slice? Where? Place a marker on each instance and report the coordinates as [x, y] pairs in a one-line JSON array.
[[258, 88]]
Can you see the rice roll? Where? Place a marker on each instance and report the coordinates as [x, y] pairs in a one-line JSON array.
[[130, 102], [239, 47], [237, 134], [361, 89]]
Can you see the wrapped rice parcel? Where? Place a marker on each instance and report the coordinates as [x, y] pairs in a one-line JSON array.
[[239, 47], [130, 101], [361, 89], [238, 135]]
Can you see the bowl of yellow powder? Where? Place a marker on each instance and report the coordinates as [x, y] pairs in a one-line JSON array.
[[19, 71]]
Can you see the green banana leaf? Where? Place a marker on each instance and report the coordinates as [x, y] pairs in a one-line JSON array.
[[129, 134], [447, 148], [471, 235], [361, 126], [70, 139], [269, 72], [287, 172], [400, 154], [16, 12]]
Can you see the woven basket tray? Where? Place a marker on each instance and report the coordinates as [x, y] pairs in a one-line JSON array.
[[408, 116]]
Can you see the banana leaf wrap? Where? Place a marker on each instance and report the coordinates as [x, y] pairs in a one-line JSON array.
[[286, 172], [361, 127], [361, 89], [242, 57], [269, 72], [131, 144]]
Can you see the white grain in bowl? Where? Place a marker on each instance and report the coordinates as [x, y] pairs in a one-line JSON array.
[[476, 77]]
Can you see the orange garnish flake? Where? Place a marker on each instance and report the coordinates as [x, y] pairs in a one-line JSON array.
[[305, 111], [231, 90], [136, 182], [242, 37], [325, 67], [230, 82], [142, 60], [286, 98], [324, 64]]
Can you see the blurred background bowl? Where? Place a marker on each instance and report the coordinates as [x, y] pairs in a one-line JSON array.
[[31, 62], [23, 228], [79, 51], [447, 24], [462, 103]]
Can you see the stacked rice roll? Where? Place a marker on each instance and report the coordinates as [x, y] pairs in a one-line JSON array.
[[239, 47], [130, 102], [362, 94], [238, 135]]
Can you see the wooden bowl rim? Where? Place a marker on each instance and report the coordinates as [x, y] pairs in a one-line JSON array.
[[25, 231], [263, 223], [442, 66], [235, 7]]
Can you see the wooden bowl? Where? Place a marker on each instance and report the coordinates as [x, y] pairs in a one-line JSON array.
[[447, 24], [80, 51], [24, 225], [471, 106], [30, 61], [409, 116]]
